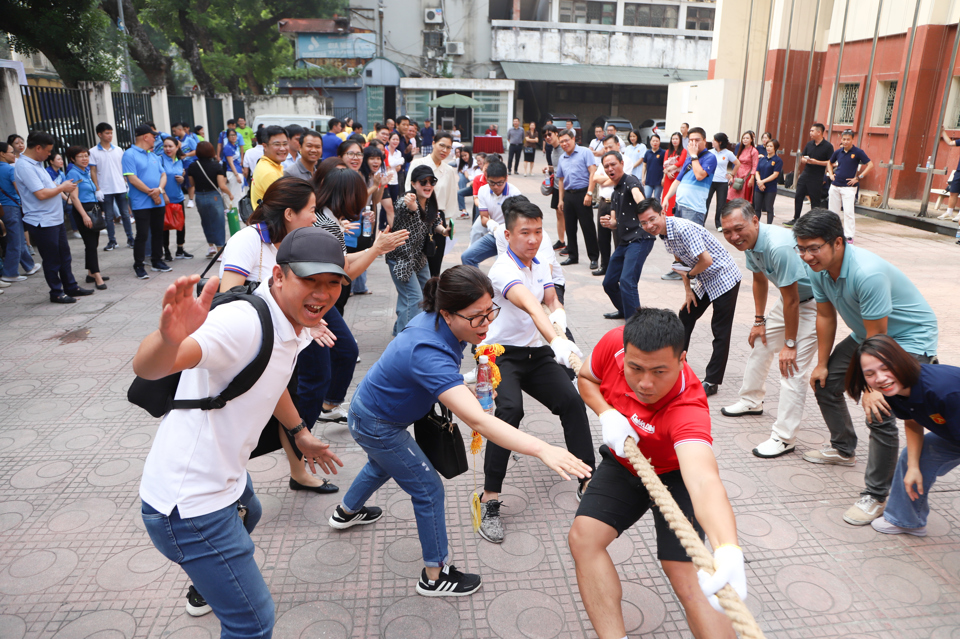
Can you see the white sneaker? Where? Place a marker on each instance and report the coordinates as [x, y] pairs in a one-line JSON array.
[[18, 278], [189, 204], [864, 511], [335, 414], [35, 269], [773, 447], [881, 525], [945, 216], [829, 455], [4, 284], [470, 377], [957, 218], [741, 408]]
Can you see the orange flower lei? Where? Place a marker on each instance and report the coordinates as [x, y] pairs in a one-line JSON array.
[[491, 351]]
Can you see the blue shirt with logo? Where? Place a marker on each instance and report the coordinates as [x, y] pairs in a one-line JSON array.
[[654, 162], [767, 167], [934, 401], [86, 189], [145, 166], [692, 193], [173, 168], [188, 144], [848, 162]]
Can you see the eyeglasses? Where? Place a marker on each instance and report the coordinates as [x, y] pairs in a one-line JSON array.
[[497, 183], [353, 154], [812, 250], [444, 147], [479, 320], [432, 181]]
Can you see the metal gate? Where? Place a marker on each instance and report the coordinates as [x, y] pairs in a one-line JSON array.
[[64, 113], [342, 113], [130, 111], [181, 109], [239, 109], [214, 118]]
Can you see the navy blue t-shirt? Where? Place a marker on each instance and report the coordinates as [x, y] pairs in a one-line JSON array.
[[934, 401], [654, 162], [426, 134], [422, 362], [848, 163], [767, 167]]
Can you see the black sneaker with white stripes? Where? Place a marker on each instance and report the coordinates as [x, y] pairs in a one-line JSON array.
[[450, 583], [197, 606], [366, 515]]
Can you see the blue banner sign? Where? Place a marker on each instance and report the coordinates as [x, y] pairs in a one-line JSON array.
[[323, 45]]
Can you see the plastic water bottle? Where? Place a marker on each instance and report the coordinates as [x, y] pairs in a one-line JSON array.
[[929, 161], [958, 242], [485, 385], [367, 222]]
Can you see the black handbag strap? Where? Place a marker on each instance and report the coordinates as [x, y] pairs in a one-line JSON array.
[[246, 378], [213, 261]]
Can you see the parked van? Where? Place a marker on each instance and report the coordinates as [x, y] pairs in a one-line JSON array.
[[316, 122]]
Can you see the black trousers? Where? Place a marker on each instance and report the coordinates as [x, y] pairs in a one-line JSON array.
[[811, 187], [763, 202], [181, 238], [51, 242], [536, 372], [720, 188], [721, 323], [435, 262], [148, 220], [574, 212], [605, 237], [91, 239], [513, 156]]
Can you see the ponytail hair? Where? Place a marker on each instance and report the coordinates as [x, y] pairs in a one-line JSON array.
[[457, 288]]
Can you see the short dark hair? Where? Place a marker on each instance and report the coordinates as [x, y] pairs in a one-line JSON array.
[[357, 126], [332, 122], [293, 131], [272, 131], [287, 192], [655, 135], [817, 125], [309, 133], [611, 137], [570, 133], [550, 128], [40, 138], [652, 329], [902, 364], [73, 151], [496, 170], [528, 210], [819, 223], [741, 205], [649, 203], [103, 126], [442, 135], [401, 119], [697, 129], [205, 150], [231, 121], [457, 288], [512, 201], [615, 154]]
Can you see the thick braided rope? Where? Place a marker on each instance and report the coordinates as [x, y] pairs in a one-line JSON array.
[[743, 621]]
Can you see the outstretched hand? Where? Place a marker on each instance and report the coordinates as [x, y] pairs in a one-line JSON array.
[[182, 315], [564, 463]]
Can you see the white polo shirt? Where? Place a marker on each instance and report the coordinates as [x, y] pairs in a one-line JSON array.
[[491, 202], [251, 157], [250, 253], [109, 169], [514, 326], [545, 253], [198, 460]]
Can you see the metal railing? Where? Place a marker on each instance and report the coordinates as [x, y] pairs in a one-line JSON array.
[[342, 113], [64, 113], [214, 118], [130, 110], [181, 108]]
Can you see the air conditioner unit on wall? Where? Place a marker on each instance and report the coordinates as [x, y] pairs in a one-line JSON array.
[[454, 48], [433, 16]]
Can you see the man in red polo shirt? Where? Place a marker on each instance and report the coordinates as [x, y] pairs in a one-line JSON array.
[[638, 381]]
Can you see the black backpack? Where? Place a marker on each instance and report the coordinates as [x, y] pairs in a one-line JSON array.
[[157, 396]]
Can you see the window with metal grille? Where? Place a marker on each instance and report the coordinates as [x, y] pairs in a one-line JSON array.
[[700, 19], [884, 100], [573, 11], [432, 39], [588, 12], [650, 15], [846, 103]]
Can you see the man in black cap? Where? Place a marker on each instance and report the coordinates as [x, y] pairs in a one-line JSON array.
[[195, 482]]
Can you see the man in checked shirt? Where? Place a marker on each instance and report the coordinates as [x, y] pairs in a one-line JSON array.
[[710, 276]]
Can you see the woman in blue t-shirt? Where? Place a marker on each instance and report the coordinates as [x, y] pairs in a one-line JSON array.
[[17, 252], [924, 396], [230, 156], [653, 169], [172, 163], [84, 202], [420, 367], [769, 168]]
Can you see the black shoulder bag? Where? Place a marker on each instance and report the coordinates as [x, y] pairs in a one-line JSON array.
[[440, 440]]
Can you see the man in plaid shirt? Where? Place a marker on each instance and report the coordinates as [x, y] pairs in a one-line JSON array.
[[709, 275]]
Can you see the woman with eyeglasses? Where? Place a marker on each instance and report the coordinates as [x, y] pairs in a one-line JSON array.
[[420, 367], [924, 396], [351, 153], [417, 212]]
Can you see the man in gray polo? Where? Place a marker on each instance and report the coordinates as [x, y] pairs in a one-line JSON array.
[[515, 140], [311, 148]]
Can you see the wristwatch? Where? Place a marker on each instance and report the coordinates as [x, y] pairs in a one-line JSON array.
[[790, 343], [293, 431]]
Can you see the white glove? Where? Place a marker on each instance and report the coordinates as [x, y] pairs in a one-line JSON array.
[[614, 430], [562, 349], [559, 316], [99, 195], [492, 225], [728, 561]]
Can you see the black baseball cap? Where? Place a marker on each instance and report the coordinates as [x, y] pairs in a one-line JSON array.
[[310, 251], [143, 129]]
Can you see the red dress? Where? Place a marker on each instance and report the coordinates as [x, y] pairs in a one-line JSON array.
[[672, 159], [748, 157]]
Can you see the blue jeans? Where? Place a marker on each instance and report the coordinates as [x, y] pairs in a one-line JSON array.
[[392, 452], [623, 275], [359, 284], [484, 248], [409, 295], [938, 457], [210, 208], [464, 188], [216, 552], [689, 214], [118, 200], [653, 191], [324, 374], [17, 251]]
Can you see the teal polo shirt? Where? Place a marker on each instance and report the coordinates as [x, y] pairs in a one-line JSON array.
[[870, 288], [775, 257], [145, 165]]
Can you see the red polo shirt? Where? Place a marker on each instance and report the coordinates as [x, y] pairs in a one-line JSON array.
[[681, 416]]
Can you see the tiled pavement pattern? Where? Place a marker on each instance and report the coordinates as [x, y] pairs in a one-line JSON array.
[[75, 561]]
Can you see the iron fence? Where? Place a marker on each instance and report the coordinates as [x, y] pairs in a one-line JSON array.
[[342, 113], [130, 110], [214, 118], [64, 113], [181, 109]]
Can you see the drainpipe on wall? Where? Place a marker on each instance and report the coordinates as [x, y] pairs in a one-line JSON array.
[[936, 145]]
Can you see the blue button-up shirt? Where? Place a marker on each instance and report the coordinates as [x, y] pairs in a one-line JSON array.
[[934, 401], [86, 189], [30, 177], [775, 257], [870, 288], [687, 241], [145, 166], [172, 168], [575, 168]]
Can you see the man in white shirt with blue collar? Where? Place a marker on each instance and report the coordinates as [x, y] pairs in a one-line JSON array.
[[490, 197], [533, 355]]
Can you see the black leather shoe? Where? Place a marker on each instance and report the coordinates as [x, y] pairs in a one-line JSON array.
[[600, 272], [594, 265], [80, 292], [91, 280], [564, 251], [101, 287], [325, 487], [710, 389], [569, 261], [63, 299], [613, 315]]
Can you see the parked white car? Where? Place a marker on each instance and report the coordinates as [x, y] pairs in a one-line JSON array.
[[315, 122]]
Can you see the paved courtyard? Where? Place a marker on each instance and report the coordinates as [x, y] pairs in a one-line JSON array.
[[75, 562]]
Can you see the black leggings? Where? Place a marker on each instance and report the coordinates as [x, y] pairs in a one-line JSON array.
[[91, 239], [763, 201], [720, 188]]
